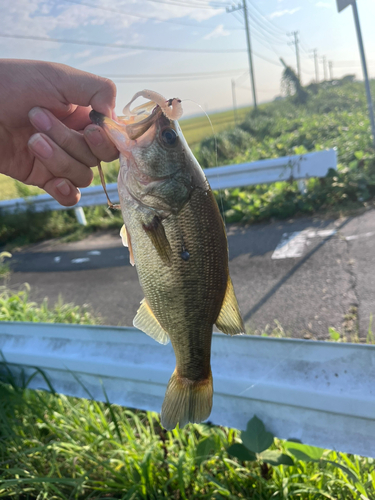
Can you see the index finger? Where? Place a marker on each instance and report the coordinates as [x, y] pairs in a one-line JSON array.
[[84, 89]]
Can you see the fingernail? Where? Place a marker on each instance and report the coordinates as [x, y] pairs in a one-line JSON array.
[[63, 187], [40, 119], [94, 136], [40, 146]]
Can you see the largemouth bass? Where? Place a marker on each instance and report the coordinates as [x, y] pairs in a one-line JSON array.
[[176, 239]]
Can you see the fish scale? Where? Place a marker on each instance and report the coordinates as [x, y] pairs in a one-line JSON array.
[[176, 239]]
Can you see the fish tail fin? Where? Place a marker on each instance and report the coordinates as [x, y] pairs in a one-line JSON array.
[[186, 401]]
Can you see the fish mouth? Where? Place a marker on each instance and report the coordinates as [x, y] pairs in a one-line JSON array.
[[137, 129], [139, 120], [97, 118], [132, 128]]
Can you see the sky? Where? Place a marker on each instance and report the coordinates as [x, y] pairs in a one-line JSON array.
[[198, 47]]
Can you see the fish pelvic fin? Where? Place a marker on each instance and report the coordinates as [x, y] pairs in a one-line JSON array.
[[186, 401], [145, 320], [230, 320]]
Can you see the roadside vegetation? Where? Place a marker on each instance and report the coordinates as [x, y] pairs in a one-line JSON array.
[[59, 448], [16, 306], [333, 115]]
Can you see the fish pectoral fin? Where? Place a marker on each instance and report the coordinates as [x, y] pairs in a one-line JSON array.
[[230, 320], [126, 241], [146, 321], [156, 232]]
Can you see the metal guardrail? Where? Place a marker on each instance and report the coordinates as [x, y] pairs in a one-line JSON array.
[[321, 393], [299, 167]]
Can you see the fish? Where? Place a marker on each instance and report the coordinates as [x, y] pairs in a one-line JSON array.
[[177, 241]]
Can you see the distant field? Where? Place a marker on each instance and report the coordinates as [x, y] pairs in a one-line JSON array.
[[194, 129]]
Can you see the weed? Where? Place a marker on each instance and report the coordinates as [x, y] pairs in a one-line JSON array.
[[15, 306], [4, 266], [58, 447]]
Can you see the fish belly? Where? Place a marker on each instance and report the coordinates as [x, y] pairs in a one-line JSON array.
[[186, 296]]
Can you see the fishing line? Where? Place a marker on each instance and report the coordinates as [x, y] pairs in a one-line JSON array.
[[273, 369], [102, 180], [216, 160]]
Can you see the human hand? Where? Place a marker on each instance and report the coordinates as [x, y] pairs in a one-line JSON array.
[[53, 100]]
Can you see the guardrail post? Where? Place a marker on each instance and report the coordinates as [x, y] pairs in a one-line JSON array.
[[80, 215], [302, 186]]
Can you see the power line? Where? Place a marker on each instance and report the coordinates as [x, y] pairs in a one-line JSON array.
[[164, 75], [121, 46], [188, 5], [141, 16], [263, 39], [347, 64], [272, 26], [234, 14], [209, 3], [172, 77], [265, 58], [267, 37], [264, 26]]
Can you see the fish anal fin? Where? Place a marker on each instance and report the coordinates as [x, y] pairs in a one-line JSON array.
[[156, 232], [146, 321], [230, 320], [126, 241], [186, 401]]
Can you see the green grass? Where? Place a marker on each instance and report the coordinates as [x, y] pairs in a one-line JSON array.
[[56, 447], [15, 306]]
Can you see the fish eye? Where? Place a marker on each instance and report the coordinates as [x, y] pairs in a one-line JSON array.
[[169, 136]]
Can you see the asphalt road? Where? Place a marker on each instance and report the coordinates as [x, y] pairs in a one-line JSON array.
[[306, 275]]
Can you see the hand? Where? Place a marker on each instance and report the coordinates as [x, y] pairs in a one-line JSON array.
[[53, 100]]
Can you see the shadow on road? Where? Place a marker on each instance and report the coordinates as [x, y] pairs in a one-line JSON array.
[[289, 274]]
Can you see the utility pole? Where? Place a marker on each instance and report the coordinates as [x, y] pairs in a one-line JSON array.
[[341, 4], [324, 61], [330, 66], [244, 9], [295, 43], [234, 100], [315, 55]]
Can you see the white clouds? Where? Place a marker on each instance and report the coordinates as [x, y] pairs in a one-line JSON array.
[[28, 17], [324, 5], [280, 13], [217, 32]]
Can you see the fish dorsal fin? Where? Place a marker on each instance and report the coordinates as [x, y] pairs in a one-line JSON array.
[[230, 320], [146, 321], [126, 241], [156, 232]]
